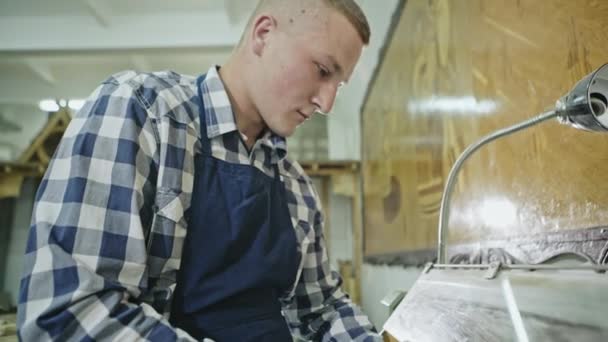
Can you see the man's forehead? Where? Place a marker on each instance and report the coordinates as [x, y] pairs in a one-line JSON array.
[[292, 9], [323, 29]]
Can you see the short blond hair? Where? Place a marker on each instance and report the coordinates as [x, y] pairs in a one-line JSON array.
[[353, 13], [348, 8]]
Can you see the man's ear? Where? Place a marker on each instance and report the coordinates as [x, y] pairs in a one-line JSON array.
[[262, 26]]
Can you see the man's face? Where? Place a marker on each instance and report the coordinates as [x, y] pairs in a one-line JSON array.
[[301, 69]]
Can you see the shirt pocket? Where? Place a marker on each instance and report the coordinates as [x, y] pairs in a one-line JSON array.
[[170, 205], [168, 228]]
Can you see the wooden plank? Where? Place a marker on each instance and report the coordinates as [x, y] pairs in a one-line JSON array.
[[325, 195], [25, 169], [357, 218]]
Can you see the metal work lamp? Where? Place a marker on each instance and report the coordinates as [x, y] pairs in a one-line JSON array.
[[505, 302], [584, 107]]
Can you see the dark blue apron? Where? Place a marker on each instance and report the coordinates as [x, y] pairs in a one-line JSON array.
[[240, 253]]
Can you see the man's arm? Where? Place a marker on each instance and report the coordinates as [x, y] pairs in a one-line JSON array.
[[319, 310], [86, 253]]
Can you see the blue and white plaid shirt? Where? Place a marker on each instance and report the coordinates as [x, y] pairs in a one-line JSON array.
[[110, 218]]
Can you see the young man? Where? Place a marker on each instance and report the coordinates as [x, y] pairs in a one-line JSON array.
[[171, 211]]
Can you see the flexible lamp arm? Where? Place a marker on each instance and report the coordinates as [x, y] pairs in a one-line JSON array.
[[444, 211]]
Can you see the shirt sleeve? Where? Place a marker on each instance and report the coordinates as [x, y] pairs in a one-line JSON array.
[[86, 255], [319, 309]]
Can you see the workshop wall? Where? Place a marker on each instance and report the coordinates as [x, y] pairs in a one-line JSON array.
[[455, 71]]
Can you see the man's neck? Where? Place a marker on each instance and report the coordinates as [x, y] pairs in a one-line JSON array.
[[248, 121]]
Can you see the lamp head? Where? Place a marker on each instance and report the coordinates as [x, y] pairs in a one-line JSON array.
[[586, 105]]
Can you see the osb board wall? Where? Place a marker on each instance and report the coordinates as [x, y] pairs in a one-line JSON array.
[[455, 71]]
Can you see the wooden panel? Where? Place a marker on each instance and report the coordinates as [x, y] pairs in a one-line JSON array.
[[456, 71]]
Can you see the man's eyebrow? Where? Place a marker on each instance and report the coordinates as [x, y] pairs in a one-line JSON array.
[[335, 63], [337, 67]]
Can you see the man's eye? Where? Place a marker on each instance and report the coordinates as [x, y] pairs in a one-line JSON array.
[[323, 72]]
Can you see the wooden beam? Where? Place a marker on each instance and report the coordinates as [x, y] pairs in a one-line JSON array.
[[24, 169], [59, 119], [325, 195], [357, 217], [10, 185], [329, 168], [43, 156]]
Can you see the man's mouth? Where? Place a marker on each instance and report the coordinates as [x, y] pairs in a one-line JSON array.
[[306, 117]]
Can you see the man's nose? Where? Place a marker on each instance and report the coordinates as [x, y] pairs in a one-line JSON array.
[[325, 98]]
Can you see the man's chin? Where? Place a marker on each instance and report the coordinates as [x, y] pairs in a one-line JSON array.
[[285, 132]]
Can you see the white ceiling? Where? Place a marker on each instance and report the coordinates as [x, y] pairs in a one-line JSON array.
[[64, 48]]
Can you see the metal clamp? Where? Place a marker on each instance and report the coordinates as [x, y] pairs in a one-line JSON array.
[[493, 270], [392, 300]]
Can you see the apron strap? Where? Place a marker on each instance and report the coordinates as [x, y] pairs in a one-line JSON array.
[[205, 141]]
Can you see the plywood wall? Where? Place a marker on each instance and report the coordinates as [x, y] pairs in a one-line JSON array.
[[457, 70]]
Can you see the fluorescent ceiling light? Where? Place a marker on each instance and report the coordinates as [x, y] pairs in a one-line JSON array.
[[52, 105], [452, 105], [76, 104], [48, 105]]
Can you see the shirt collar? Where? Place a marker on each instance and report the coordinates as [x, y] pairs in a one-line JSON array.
[[220, 117]]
